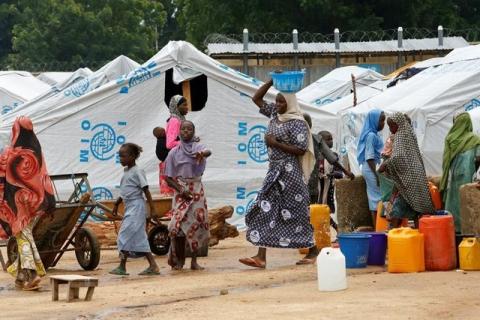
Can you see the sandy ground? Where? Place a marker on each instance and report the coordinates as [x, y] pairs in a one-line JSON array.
[[229, 290]]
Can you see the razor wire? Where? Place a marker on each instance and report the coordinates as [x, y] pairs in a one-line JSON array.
[[470, 34]]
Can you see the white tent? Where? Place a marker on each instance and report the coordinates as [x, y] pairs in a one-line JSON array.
[[84, 135], [431, 98], [79, 83], [337, 84], [16, 87], [54, 78], [475, 115]]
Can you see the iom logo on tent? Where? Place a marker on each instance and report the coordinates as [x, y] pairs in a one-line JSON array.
[[138, 76], [247, 199], [320, 102], [7, 108], [102, 141], [254, 143], [474, 103], [78, 89], [99, 193]]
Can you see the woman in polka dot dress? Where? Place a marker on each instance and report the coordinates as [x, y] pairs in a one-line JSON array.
[[279, 218]]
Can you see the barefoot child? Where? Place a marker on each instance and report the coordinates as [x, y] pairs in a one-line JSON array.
[[184, 168], [132, 238]]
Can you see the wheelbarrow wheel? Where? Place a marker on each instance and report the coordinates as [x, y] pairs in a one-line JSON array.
[[12, 250], [159, 240], [87, 249]]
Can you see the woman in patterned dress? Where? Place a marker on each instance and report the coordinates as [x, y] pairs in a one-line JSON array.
[[26, 193], [279, 217], [405, 168], [184, 168]]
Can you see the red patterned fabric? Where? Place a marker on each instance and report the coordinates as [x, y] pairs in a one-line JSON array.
[[26, 190]]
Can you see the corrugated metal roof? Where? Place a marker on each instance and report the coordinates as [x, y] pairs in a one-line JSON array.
[[427, 44]]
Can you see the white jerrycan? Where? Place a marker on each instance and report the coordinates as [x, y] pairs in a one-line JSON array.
[[331, 270]]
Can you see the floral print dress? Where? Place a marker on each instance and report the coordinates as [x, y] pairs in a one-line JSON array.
[[279, 217]]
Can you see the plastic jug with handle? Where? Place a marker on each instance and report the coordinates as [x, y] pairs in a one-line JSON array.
[[331, 270]]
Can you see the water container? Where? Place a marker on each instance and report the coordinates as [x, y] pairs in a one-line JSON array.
[[377, 248], [288, 81], [331, 270], [439, 239], [436, 197], [320, 220], [405, 251], [458, 239], [469, 252], [381, 223], [355, 248]]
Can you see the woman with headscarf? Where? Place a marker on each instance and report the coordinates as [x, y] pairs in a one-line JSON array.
[[405, 168], [185, 165], [370, 146], [178, 108], [26, 193], [461, 158], [279, 217]]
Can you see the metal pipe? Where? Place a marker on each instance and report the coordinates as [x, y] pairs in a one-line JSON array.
[[295, 48], [440, 36], [245, 51], [336, 36], [400, 46]]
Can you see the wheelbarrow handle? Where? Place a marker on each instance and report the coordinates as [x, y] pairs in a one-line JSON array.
[[104, 207]]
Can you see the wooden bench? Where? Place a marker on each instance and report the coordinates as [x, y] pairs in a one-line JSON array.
[[75, 282]]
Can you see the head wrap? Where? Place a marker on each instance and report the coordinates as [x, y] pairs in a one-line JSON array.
[[293, 112], [370, 126], [175, 101], [459, 139], [405, 167]]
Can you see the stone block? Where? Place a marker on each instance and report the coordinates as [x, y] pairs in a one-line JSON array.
[[352, 204], [470, 209]]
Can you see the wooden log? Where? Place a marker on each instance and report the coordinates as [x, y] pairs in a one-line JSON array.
[[219, 229]]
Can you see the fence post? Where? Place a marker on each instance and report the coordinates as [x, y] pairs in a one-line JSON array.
[[245, 51], [400, 46], [295, 48], [336, 36], [440, 36]]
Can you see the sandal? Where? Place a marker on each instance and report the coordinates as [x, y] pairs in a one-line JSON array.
[[149, 272], [305, 261], [32, 285], [119, 272], [19, 284], [252, 263]]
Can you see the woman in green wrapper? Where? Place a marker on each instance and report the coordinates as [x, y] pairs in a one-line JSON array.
[[461, 159]]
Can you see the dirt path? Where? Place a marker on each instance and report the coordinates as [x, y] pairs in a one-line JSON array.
[[226, 289]]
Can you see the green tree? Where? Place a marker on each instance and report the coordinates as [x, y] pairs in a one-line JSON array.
[[171, 30], [8, 17], [77, 31]]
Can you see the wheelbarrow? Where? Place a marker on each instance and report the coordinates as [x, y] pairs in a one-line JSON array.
[[157, 231], [63, 230]]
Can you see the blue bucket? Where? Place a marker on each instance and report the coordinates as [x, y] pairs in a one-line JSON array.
[[354, 247], [288, 81]]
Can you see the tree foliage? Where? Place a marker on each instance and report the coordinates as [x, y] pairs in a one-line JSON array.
[[86, 30], [72, 31], [200, 17]]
